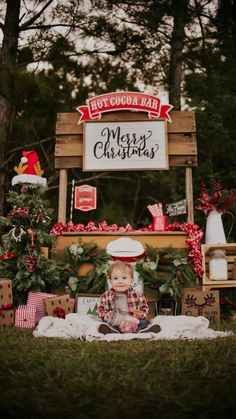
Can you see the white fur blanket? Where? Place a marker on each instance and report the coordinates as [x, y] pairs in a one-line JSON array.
[[86, 328]]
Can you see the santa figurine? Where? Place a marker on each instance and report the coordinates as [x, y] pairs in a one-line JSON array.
[[29, 170]]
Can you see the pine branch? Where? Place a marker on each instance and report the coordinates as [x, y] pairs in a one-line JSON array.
[[29, 22]]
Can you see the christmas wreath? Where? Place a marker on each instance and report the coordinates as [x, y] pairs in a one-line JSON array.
[[166, 270], [92, 281]]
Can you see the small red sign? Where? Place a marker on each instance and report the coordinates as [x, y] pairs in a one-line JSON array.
[[119, 101], [85, 197]]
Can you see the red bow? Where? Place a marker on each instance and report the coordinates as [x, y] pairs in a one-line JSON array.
[[59, 312], [7, 307]]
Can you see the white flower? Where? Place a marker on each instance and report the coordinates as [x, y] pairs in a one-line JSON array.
[[73, 249], [152, 266], [178, 262], [80, 250], [72, 280], [164, 289]]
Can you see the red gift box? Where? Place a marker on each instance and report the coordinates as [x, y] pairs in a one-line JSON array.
[[159, 223], [25, 316], [72, 305]]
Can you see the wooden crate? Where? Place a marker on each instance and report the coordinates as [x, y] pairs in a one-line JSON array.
[[230, 250]]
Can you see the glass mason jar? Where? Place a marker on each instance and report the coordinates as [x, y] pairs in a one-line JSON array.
[[218, 265]]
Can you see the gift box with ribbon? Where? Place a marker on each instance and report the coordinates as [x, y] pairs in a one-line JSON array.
[[58, 306], [6, 303], [25, 316], [37, 299]]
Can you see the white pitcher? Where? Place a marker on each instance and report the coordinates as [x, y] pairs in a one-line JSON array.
[[214, 228]]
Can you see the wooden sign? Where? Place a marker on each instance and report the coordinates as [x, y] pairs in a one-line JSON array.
[[201, 303], [177, 208], [119, 101], [132, 145], [85, 197], [87, 304]]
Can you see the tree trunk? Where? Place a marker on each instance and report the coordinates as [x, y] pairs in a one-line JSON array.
[[8, 61], [180, 15]]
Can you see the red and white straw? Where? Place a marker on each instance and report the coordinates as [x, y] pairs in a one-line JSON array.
[[72, 199], [156, 210]]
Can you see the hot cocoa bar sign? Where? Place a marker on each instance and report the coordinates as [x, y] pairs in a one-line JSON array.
[[125, 145]]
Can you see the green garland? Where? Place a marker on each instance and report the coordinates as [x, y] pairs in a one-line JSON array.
[[166, 270], [96, 279]]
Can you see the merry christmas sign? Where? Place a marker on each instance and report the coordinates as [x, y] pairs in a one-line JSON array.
[[131, 145]]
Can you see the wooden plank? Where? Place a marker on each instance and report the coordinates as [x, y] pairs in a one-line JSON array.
[[182, 161], [71, 162], [62, 196], [189, 193], [182, 121], [182, 144], [71, 149], [67, 139], [68, 162]]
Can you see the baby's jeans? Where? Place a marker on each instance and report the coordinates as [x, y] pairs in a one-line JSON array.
[[142, 325]]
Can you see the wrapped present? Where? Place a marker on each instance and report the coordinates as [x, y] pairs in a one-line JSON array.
[[6, 315], [58, 306], [37, 299], [25, 316], [6, 303], [5, 291], [72, 305], [61, 291]]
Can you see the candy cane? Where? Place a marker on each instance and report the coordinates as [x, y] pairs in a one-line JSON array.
[[72, 199]]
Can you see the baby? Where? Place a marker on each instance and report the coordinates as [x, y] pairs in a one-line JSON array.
[[121, 308]]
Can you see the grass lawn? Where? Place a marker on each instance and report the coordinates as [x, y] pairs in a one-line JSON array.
[[49, 378]]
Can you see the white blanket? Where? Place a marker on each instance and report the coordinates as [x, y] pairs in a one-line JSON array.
[[86, 328]]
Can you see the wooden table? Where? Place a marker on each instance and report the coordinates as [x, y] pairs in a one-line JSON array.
[[175, 239]]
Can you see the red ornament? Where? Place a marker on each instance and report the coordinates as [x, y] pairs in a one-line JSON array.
[[8, 255], [30, 263]]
